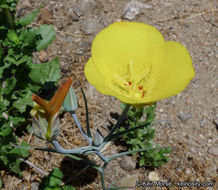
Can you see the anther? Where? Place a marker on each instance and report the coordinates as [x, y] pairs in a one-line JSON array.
[[140, 87]]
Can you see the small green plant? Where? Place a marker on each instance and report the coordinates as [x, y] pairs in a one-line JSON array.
[[143, 138], [54, 181], [20, 77]]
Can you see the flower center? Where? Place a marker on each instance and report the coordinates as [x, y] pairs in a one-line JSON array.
[[134, 85]]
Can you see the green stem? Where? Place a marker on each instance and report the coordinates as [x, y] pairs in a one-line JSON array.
[[122, 117], [9, 18], [101, 171]]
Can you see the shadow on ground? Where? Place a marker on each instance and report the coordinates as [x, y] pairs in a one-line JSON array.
[[77, 173]]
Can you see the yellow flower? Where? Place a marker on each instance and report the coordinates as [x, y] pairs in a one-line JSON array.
[[134, 63], [45, 114]]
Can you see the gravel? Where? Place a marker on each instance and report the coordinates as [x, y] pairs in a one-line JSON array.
[[192, 130]]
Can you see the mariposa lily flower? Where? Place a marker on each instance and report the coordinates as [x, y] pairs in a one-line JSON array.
[[134, 63], [46, 123]]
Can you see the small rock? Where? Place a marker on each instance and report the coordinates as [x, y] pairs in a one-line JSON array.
[[153, 176], [211, 171], [74, 17], [184, 116], [90, 27], [34, 186], [129, 181], [77, 11], [188, 171], [45, 16], [70, 39], [83, 47], [43, 56], [127, 163], [107, 7], [214, 149], [134, 8], [203, 122], [88, 5], [25, 4]]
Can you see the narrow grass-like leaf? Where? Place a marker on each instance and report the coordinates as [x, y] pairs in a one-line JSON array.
[[87, 115]]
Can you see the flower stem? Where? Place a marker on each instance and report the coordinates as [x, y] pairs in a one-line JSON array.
[[101, 171], [121, 118]]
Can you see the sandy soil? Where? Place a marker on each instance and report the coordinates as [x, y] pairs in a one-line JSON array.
[[192, 23]]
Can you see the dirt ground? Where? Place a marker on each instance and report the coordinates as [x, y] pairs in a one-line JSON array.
[[191, 117]]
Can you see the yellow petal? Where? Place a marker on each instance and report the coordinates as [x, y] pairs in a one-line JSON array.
[[174, 70], [125, 49], [96, 78], [101, 83]]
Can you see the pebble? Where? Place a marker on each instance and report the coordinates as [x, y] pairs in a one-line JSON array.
[[74, 17], [34, 186], [214, 149], [153, 176], [107, 7], [211, 171], [188, 171], [203, 122], [88, 5], [77, 11], [127, 163], [134, 8], [43, 56], [70, 39], [184, 116], [90, 27], [129, 181], [83, 47], [25, 4]]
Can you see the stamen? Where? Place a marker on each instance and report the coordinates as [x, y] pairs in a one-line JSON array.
[[143, 93], [140, 87]]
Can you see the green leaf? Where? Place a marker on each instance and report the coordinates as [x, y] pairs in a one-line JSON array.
[[21, 151], [45, 72], [16, 120], [15, 166], [67, 187], [28, 37], [70, 101], [53, 181], [6, 130], [47, 33], [22, 102], [12, 36], [9, 85], [0, 182], [24, 21]]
